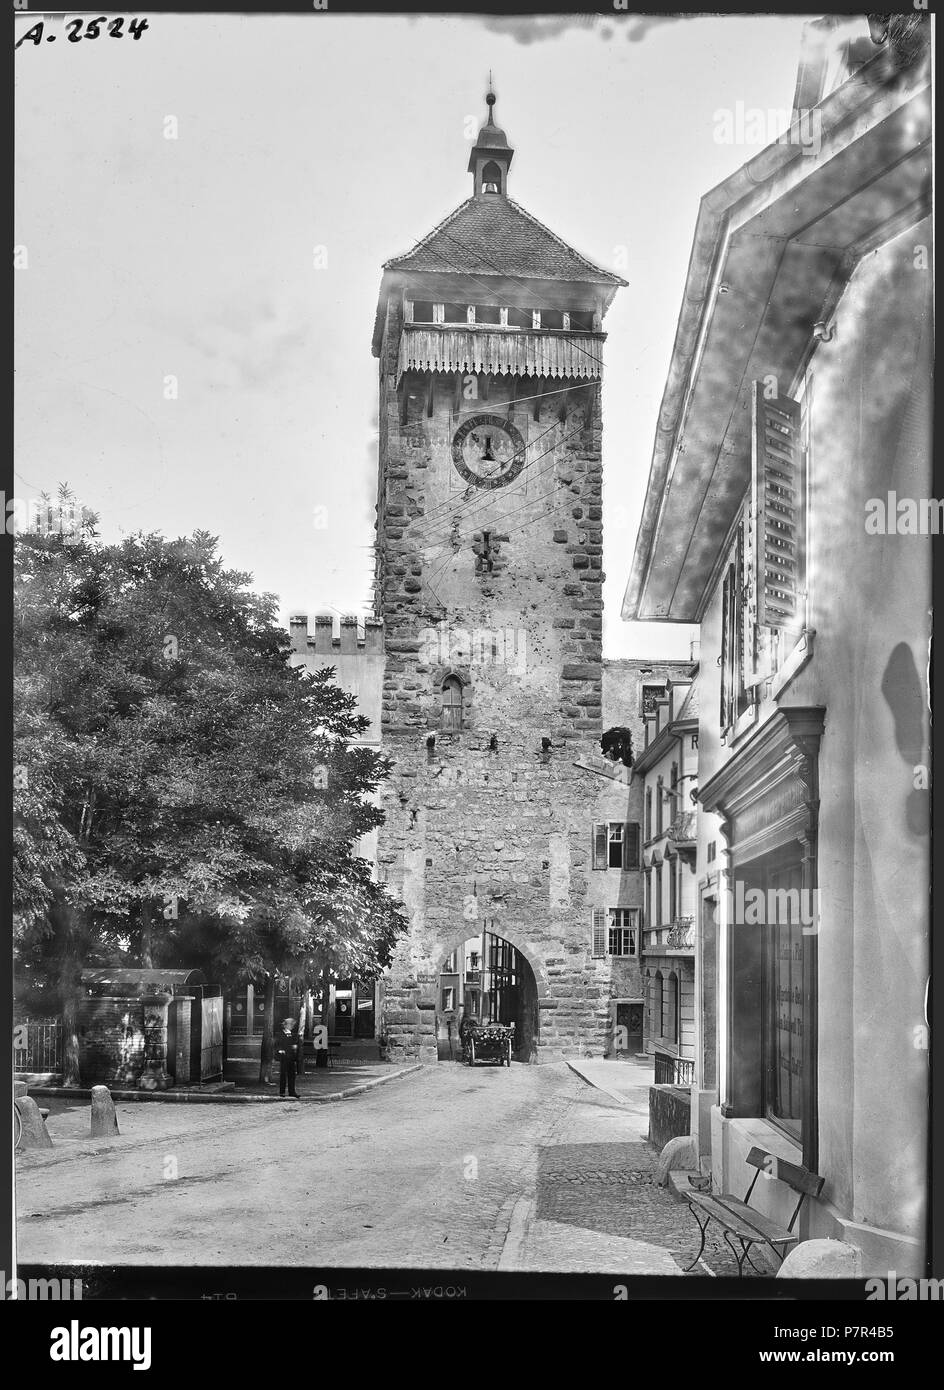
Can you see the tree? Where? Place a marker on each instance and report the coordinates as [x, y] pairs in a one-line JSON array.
[[184, 787]]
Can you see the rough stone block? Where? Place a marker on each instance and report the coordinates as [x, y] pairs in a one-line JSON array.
[[822, 1259], [35, 1134], [680, 1152], [104, 1119]]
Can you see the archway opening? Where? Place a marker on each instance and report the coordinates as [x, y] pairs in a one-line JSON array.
[[488, 979]]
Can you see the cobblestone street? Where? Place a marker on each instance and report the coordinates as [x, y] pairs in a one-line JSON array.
[[527, 1169]]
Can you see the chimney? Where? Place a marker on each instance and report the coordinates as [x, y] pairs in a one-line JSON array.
[[298, 630]]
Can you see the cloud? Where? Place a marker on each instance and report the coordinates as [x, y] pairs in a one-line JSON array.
[[528, 29], [250, 340]]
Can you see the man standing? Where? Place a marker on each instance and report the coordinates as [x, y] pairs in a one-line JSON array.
[[287, 1053]]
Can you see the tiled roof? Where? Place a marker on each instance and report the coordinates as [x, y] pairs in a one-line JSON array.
[[494, 235]]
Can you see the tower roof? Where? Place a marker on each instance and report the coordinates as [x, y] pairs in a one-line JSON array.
[[496, 236]]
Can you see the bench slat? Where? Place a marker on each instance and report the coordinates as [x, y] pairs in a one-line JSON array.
[[800, 1179], [741, 1219]]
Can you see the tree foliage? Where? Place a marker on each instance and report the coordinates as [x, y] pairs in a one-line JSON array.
[[182, 793]]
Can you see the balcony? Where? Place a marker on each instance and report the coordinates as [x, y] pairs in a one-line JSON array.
[[499, 351], [681, 938]]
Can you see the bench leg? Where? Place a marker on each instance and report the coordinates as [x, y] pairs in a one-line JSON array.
[[703, 1228], [744, 1255]]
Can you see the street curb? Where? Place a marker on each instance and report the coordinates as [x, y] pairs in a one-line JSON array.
[[220, 1097], [613, 1095]]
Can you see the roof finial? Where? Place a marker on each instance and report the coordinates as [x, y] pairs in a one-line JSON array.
[[490, 98]]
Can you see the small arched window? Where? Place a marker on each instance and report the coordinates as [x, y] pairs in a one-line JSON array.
[[451, 704]]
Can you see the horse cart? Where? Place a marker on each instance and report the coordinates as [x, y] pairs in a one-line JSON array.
[[488, 1042]]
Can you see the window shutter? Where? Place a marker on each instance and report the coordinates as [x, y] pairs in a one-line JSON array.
[[778, 507], [598, 947], [727, 648], [631, 845], [599, 845]]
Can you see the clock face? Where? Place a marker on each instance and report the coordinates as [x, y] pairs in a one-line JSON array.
[[488, 451]]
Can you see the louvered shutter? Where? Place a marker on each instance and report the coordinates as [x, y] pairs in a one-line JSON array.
[[631, 845], [598, 945], [778, 510], [599, 845], [726, 640]]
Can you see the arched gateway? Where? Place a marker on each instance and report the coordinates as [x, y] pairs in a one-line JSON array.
[[488, 978]]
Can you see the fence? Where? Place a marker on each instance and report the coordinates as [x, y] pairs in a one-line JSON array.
[[673, 1071], [37, 1045]]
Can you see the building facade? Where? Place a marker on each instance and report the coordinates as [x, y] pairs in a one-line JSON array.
[[668, 765], [797, 441]]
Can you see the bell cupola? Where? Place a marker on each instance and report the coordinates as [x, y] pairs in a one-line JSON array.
[[491, 156]]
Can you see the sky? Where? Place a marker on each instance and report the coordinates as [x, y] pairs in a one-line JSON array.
[[205, 212]]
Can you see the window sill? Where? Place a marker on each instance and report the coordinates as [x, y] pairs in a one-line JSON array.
[[762, 1134]]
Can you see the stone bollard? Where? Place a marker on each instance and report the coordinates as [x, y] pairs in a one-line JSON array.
[[35, 1134], [678, 1153], [104, 1119]]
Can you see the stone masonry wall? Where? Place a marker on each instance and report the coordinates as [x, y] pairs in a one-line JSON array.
[[489, 826]]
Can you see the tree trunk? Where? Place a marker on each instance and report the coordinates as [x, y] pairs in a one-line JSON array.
[[70, 966], [302, 1021], [146, 937], [267, 1049]]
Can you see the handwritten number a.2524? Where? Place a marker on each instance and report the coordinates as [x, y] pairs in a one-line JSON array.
[[136, 28], [34, 35]]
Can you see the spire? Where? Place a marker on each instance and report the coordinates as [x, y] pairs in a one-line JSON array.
[[491, 154]]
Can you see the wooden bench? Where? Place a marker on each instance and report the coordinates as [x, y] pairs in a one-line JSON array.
[[743, 1222]]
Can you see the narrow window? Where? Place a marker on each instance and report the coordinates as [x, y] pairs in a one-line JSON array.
[[658, 903], [451, 704], [649, 898], [648, 813], [615, 842], [670, 1009], [673, 890], [659, 792]]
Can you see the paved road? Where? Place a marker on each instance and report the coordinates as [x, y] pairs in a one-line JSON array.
[[450, 1167]]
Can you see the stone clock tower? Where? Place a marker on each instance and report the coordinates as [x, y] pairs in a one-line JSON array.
[[489, 335]]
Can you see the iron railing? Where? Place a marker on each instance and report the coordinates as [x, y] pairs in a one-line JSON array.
[[37, 1045], [673, 1071]]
